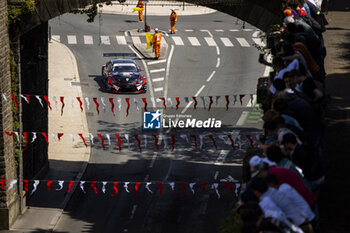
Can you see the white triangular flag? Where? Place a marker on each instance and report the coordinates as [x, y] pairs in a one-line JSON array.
[[217, 99], [72, 136], [234, 99], [200, 141], [55, 101], [91, 138], [225, 139], [82, 186], [13, 182], [108, 138], [203, 100], [35, 186], [145, 140], [191, 187], [184, 136], [60, 183], [54, 137], [34, 137], [147, 187], [186, 99], [5, 98], [237, 187], [172, 185], [87, 103], [126, 186], [17, 137], [153, 102], [119, 100], [103, 104], [40, 101], [165, 141], [170, 102], [137, 104], [104, 186], [238, 141], [71, 101], [127, 139], [216, 189], [25, 98]]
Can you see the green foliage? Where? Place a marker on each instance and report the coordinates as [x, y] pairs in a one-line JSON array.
[[91, 12], [233, 223], [16, 12]]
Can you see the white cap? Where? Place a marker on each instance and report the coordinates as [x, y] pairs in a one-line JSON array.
[[257, 159], [155, 29], [172, 9], [288, 19]]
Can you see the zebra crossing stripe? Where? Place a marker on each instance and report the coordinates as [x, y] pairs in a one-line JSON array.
[[121, 40], [136, 40], [88, 40], [210, 41], [56, 38], [233, 30], [158, 89], [259, 42], [158, 70], [177, 40], [194, 41], [189, 30], [158, 79], [105, 40], [219, 30], [226, 41], [72, 39], [243, 42]]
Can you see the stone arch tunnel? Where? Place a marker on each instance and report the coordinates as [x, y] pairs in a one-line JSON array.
[[30, 46]]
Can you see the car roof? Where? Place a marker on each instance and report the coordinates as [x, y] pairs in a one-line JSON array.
[[123, 61]]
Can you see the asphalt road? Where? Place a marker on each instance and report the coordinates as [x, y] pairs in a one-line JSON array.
[[208, 69]]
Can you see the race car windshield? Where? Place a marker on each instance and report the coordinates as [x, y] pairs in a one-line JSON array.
[[124, 68]]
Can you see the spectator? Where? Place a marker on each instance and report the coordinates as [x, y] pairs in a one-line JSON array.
[[281, 106], [306, 157], [284, 175]]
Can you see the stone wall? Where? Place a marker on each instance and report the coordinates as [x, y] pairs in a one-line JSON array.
[[9, 201], [34, 81]]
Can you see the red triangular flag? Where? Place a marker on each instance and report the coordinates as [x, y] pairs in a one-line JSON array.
[[119, 142], [14, 100], [47, 101], [229, 187], [214, 142], [102, 141], [2, 182], [59, 135], [93, 185], [232, 142], [115, 187], [127, 108], [80, 103], [48, 184], [177, 102], [62, 101], [137, 187], [25, 186], [26, 138], [164, 103], [182, 185], [70, 186], [45, 136], [195, 140], [251, 141], [97, 105], [145, 103], [112, 105], [227, 101], [195, 102], [82, 137], [138, 142], [160, 187], [241, 99], [210, 102], [156, 141], [27, 96], [203, 187]]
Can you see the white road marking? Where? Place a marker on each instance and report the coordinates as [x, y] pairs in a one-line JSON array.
[[177, 40], [189, 30], [121, 40], [211, 76], [211, 35], [153, 159], [149, 82], [194, 41], [267, 71], [158, 89], [136, 40], [256, 33], [157, 70], [133, 211], [226, 41], [219, 30], [56, 38], [158, 79], [105, 40], [126, 33], [156, 62], [187, 106], [217, 50], [233, 30], [88, 40], [248, 30], [249, 104], [210, 41], [242, 118], [168, 70], [259, 42], [218, 62], [72, 39], [243, 42], [200, 90]]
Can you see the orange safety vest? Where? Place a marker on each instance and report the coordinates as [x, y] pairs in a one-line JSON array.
[[157, 37], [173, 16]]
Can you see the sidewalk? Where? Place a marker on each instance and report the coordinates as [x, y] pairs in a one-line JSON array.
[[334, 204], [67, 161]]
